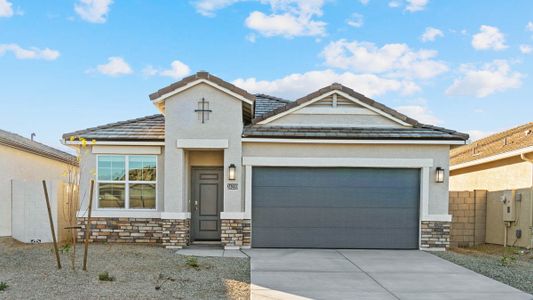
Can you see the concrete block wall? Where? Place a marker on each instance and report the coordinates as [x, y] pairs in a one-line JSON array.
[[469, 214]]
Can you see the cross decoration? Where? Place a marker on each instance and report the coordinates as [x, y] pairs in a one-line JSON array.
[[203, 110]]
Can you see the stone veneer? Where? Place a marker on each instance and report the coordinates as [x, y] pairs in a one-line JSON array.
[[167, 232], [435, 235], [235, 233]]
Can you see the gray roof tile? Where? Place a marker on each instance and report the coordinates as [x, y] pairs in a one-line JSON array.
[[16, 141]]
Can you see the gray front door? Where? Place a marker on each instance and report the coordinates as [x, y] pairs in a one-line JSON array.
[[335, 208], [206, 197]]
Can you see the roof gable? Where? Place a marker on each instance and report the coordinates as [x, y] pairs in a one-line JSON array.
[[201, 77], [359, 101]]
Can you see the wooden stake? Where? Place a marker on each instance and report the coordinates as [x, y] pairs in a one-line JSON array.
[[88, 227], [51, 224]]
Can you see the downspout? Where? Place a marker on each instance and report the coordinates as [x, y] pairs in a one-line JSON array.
[[524, 157]]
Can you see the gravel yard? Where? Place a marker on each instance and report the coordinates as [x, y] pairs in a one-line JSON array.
[[511, 266], [30, 271]]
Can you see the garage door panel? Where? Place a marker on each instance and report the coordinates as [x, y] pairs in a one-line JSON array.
[[333, 238], [336, 197], [335, 207], [311, 217]]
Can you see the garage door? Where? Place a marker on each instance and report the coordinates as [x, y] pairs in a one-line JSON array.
[[335, 208]]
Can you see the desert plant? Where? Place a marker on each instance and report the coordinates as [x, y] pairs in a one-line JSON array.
[[104, 276], [507, 260], [192, 262], [3, 286], [65, 248]]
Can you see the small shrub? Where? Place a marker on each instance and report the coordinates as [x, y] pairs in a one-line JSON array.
[[3, 286], [65, 248], [192, 262], [104, 276], [507, 260]]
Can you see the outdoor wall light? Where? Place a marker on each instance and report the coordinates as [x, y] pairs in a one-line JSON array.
[[439, 175], [231, 172]]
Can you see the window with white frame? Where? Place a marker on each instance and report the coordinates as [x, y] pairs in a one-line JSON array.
[[127, 181]]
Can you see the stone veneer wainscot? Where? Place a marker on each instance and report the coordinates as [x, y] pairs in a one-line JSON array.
[[235, 233], [167, 232], [435, 235]]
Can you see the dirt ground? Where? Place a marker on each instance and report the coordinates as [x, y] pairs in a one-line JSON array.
[[140, 272]]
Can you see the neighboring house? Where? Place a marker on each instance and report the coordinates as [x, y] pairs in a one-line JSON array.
[[25, 163], [500, 168], [333, 169]]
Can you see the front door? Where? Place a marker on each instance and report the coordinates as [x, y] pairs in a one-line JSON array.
[[207, 200]]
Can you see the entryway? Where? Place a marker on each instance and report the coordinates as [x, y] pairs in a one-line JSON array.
[[206, 203]]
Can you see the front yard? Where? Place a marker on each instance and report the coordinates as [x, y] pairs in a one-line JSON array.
[[512, 266], [139, 272]]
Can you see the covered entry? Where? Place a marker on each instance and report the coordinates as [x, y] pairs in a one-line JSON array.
[[300, 207]]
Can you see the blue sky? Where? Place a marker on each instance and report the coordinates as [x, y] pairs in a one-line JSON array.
[[69, 65]]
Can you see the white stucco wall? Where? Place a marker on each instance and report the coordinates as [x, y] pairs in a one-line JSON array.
[[181, 122], [22, 166], [438, 192]]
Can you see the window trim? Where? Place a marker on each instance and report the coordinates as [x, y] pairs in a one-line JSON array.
[[127, 183]]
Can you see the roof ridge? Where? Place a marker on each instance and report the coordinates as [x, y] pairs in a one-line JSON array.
[[272, 97], [109, 125]]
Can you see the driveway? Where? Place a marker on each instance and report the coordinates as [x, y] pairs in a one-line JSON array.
[[367, 274]]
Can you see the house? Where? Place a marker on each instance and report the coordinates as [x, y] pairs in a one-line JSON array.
[[497, 173], [333, 169], [24, 164]]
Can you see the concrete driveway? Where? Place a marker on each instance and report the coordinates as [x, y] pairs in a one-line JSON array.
[[367, 274]]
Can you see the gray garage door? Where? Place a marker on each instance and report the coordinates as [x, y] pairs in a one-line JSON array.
[[335, 208]]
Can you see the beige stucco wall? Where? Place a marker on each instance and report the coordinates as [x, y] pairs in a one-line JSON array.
[[495, 177], [181, 122], [88, 173], [438, 192], [20, 165]]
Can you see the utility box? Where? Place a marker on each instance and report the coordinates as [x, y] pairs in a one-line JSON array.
[[508, 200]]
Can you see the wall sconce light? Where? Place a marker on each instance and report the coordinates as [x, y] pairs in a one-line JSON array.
[[231, 172], [439, 175]]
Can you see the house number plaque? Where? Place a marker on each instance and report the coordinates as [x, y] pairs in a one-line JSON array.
[[233, 186]]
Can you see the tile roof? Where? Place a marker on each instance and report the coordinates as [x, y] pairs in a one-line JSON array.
[[201, 75], [266, 103], [149, 128], [16, 141], [505, 141], [342, 88], [418, 133]]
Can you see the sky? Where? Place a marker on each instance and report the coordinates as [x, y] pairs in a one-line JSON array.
[[70, 65]]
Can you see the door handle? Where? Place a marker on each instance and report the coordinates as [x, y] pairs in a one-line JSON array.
[[195, 205]]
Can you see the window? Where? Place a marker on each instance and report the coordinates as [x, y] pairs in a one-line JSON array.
[[127, 181]]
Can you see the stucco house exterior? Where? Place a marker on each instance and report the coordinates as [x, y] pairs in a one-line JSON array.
[[499, 168], [25, 163], [333, 169]]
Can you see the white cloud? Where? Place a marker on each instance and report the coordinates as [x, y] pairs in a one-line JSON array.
[[356, 20], [6, 9], [177, 70], [526, 49], [208, 7], [364, 2], [431, 34], [394, 3], [529, 26], [478, 134], [115, 66], [290, 18], [94, 11], [30, 53], [393, 60], [416, 5], [490, 78], [420, 113], [297, 85], [488, 38], [251, 37]]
